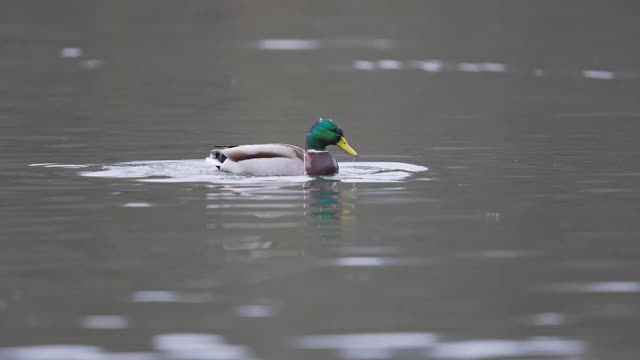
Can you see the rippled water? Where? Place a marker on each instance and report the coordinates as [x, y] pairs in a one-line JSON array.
[[204, 171], [492, 213]]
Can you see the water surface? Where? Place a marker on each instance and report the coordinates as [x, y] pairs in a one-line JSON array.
[[515, 236]]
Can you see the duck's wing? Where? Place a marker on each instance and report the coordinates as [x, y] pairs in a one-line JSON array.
[[261, 151], [263, 159]]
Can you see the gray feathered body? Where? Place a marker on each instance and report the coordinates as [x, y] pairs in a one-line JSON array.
[[272, 160]]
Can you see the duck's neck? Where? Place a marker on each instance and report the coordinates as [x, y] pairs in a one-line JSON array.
[[314, 144]]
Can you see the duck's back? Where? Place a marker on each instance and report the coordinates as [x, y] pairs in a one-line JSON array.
[[260, 160]]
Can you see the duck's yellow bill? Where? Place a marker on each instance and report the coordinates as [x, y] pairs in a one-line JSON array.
[[342, 144]]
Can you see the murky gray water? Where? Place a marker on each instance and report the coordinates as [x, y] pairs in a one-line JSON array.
[[520, 240]]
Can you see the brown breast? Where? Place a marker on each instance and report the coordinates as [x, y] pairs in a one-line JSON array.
[[320, 163]]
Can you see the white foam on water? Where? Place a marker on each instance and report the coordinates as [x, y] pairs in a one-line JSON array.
[[186, 171]]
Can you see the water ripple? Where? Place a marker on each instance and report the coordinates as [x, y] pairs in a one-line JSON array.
[[370, 261], [105, 322], [604, 287], [53, 352], [491, 349], [189, 346], [185, 171], [366, 341], [164, 296], [427, 345]]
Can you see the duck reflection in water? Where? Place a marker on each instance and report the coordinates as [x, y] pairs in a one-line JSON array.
[[328, 209], [279, 220]]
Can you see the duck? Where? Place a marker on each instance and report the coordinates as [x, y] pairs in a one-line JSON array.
[[285, 159]]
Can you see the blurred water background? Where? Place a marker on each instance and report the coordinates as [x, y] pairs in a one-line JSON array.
[[520, 241]]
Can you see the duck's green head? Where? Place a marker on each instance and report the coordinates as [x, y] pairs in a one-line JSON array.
[[326, 132]]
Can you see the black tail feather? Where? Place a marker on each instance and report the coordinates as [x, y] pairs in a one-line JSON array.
[[218, 155]]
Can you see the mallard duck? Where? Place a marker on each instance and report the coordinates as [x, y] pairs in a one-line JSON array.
[[285, 159]]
